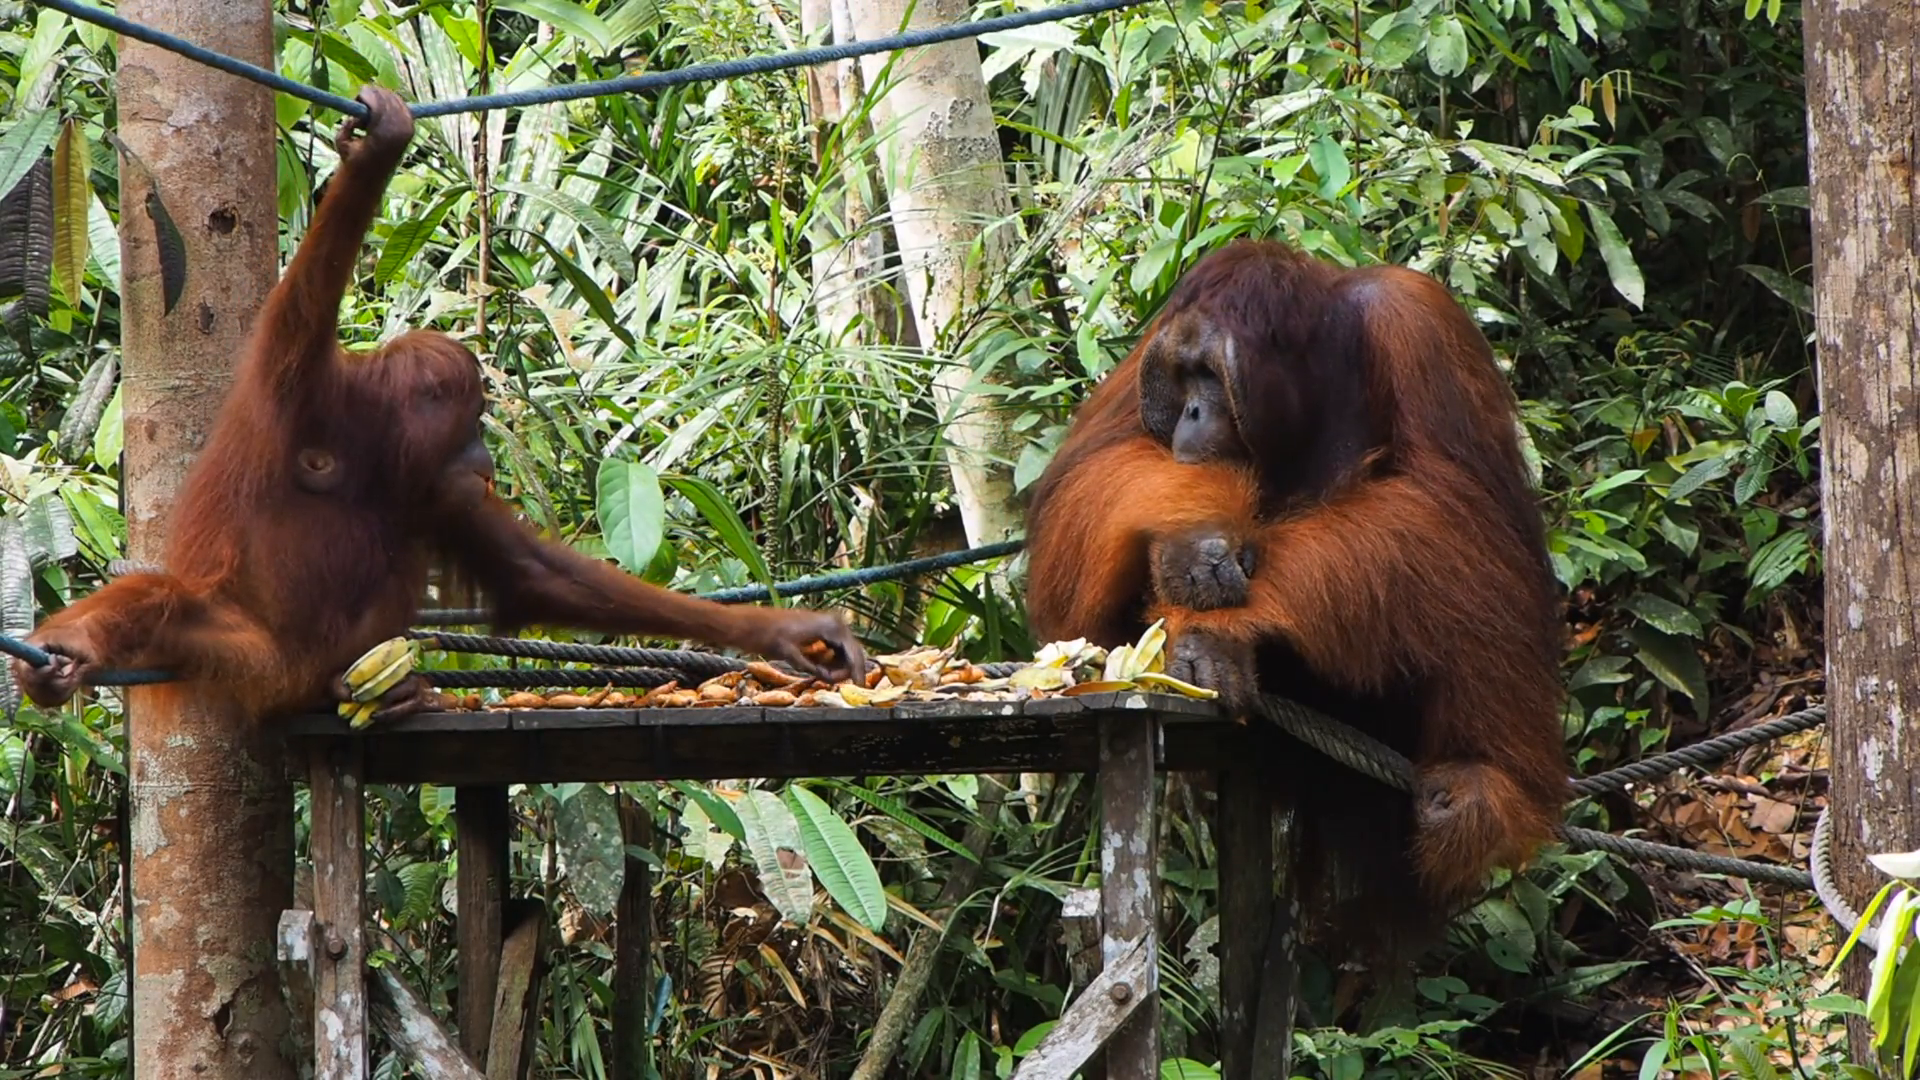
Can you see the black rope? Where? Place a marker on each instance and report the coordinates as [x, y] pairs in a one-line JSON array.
[[701, 665], [1685, 858], [809, 585], [41, 658], [1700, 753], [206, 56], [546, 678], [627, 84], [845, 579], [1369, 756]]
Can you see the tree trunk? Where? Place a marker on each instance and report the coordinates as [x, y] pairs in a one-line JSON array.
[[212, 815], [940, 160], [1863, 105], [849, 249]]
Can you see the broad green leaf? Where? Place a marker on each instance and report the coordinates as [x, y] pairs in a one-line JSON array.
[[632, 511], [1655, 1060], [720, 516], [1779, 559], [420, 885], [1510, 938], [1030, 1040], [436, 802], [103, 242], [72, 200], [1397, 46], [1186, 1069], [1152, 263], [1621, 269], [1792, 290], [409, 238], [1664, 615], [716, 808], [704, 840], [565, 15], [592, 848], [1781, 411], [23, 144], [966, 1058], [773, 840], [607, 242], [1697, 477], [898, 811], [838, 860], [106, 437], [589, 290], [1447, 46], [1624, 476], [1673, 661], [1331, 166]]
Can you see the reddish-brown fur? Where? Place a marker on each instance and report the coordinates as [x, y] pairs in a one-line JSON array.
[[1400, 577], [278, 574]]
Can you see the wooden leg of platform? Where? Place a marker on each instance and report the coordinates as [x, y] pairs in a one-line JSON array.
[[632, 947], [341, 1050], [1247, 914], [516, 1004], [1129, 747], [483, 827], [1279, 983]]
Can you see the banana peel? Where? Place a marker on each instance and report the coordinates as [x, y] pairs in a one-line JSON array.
[[1141, 665], [378, 670]]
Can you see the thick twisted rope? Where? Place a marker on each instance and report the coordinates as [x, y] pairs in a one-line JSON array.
[[1700, 753], [701, 665], [1370, 757], [549, 678], [628, 84]]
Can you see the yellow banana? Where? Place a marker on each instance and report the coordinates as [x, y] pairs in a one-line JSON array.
[[378, 670]]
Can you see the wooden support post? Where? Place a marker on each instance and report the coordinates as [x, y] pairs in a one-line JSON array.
[[339, 903], [1129, 746], [1247, 910], [1093, 1018], [482, 825], [1279, 983], [632, 943], [409, 1025], [522, 956], [297, 944]]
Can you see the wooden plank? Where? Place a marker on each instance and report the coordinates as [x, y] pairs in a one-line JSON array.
[[1128, 873], [297, 943], [483, 825], [1094, 1017], [1080, 934], [1279, 987], [341, 1046], [409, 1025], [1085, 705], [522, 959], [632, 949], [772, 750], [1245, 845]]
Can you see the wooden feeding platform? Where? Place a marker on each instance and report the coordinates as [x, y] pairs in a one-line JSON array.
[[1124, 737]]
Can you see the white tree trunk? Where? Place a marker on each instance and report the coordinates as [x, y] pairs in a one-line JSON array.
[[951, 215]]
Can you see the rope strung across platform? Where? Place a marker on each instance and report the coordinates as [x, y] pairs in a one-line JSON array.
[[712, 71], [703, 665], [1372, 758], [751, 594]]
